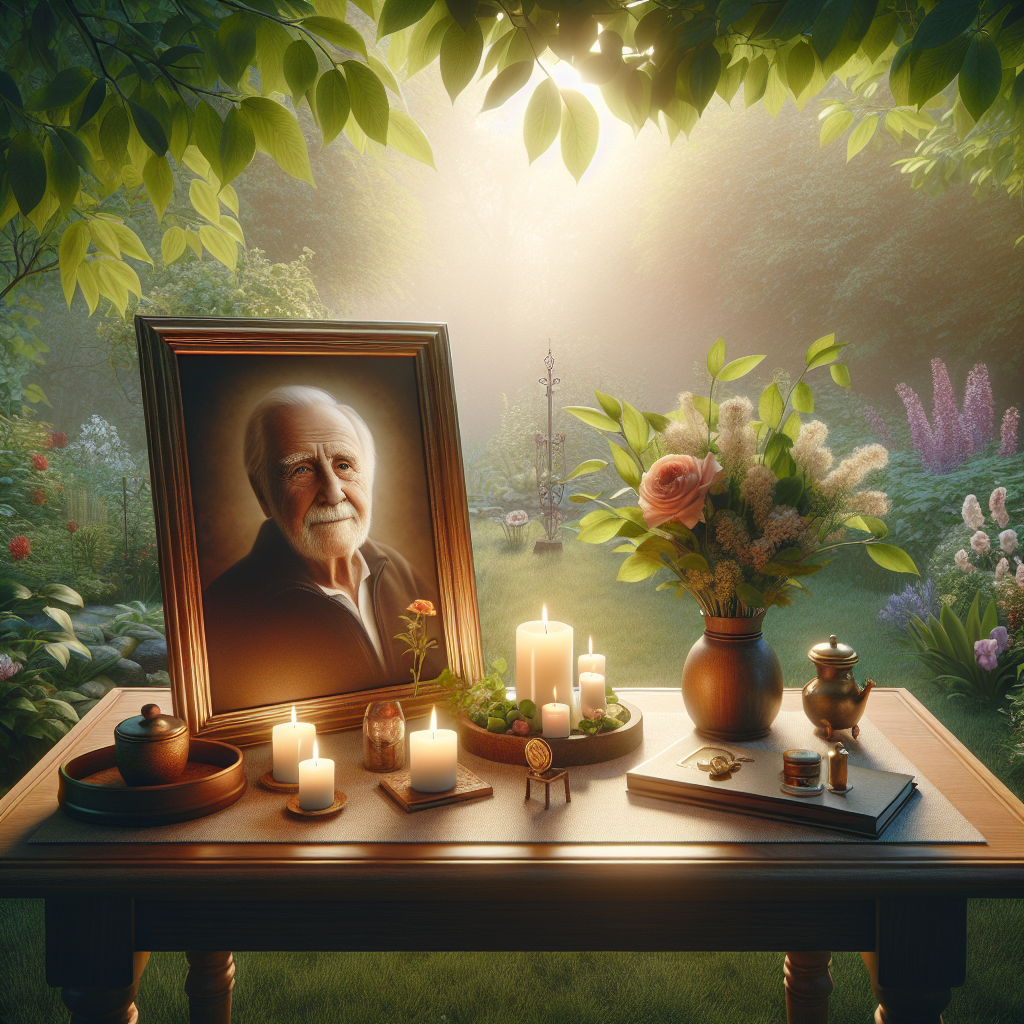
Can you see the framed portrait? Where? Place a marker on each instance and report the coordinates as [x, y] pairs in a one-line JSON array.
[[308, 488]]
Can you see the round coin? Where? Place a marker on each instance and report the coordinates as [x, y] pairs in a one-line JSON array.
[[538, 755]]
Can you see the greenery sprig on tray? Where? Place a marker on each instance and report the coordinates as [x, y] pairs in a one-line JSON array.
[[487, 704]]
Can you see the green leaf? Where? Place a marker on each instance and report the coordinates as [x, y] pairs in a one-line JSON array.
[[934, 69], [707, 409], [990, 619], [705, 70], [62, 593], [797, 16], [369, 101], [755, 80], [792, 426], [771, 406], [830, 25], [65, 87], [300, 69], [278, 134], [405, 135], [834, 125], [859, 138], [890, 557], [800, 66], [945, 22], [825, 356], [399, 14], [172, 245], [716, 357], [61, 617], [868, 524], [840, 374], [750, 596], [159, 181], [77, 149], [204, 200], [582, 499], [220, 244], [600, 532], [592, 417], [788, 491], [542, 119], [26, 171], [149, 128], [637, 567], [580, 131], [460, 57], [60, 654], [237, 145], [507, 83], [610, 405], [625, 465], [819, 346], [962, 648], [383, 72], [657, 421], [973, 624], [739, 367], [585, 468], [64, 177], [981, 75], [114, 133], [74, 244], [802, 398], [338, 32], [635, 427], [332, 104]]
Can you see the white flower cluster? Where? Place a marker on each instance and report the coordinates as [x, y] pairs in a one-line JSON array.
[[99, 444]]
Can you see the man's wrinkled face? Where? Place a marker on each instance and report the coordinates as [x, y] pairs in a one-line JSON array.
[[319, 481]]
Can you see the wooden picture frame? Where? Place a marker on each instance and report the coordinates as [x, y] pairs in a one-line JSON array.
[[178, 357]]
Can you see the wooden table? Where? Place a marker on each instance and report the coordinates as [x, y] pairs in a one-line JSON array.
[[902, 906]]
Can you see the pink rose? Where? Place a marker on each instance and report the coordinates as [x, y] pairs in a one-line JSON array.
[[675, 487]]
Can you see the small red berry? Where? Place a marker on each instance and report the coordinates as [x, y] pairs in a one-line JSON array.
[[40, 463]]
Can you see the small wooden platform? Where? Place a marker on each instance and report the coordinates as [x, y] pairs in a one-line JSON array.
[[546, 779], [467, 787]]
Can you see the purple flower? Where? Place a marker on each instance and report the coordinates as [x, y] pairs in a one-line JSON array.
[[985, 653], [1001, 638], [952, 446], [920, 600], [978, 415], [876, 422], [1008, 432], [920, 429]]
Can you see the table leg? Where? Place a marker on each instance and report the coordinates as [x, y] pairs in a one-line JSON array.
[[808, 986], [105, 1005], [920, 956], [211, 977]]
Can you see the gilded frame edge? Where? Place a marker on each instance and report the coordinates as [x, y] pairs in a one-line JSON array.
[[160, 341]]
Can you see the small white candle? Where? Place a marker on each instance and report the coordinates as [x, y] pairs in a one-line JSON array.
[[555, 719], [591, 662], [293, 742], [575, 710], [433, 758], [592, 693], [316, 782], [543, 659]]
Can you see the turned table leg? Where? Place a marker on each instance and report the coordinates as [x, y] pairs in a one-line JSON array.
[[808, 986], [105, 1005], [920, 956], [211, 977]]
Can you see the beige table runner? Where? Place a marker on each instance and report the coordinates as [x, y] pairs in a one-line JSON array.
[[601, 810]]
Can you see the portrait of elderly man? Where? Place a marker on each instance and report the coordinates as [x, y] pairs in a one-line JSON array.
[[313, 608]]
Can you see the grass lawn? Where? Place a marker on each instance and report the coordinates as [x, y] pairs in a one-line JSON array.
[[646, 636]]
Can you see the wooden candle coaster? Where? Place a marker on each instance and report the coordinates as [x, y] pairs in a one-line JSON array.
[[269, 782], [339, 802], [467, 787]]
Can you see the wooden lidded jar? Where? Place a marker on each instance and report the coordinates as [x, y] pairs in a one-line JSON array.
[[151, 749]]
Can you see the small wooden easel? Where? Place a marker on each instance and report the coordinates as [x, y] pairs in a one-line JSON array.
[[539, 758]]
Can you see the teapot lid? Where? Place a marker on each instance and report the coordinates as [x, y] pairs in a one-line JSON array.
[[150, 725], [833, 653]]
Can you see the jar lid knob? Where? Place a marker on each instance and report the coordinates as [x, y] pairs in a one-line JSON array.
[[833, 640], [150, 711]]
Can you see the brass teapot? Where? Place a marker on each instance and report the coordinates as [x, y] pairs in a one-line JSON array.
[[832, 699]]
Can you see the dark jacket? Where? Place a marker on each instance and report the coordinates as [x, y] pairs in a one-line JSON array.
[[273, 635]]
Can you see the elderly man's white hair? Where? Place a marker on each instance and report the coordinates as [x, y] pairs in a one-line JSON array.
[[256, 440]]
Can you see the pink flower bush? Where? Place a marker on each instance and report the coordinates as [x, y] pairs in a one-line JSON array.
[[962, 562], [1008, 541], [1008, 433], [674, 489], [997, 506], [980, 544], [978, 417], [971, 513]]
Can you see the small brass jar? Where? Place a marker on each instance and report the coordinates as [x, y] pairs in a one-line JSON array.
[[833, 700], [151, 749]]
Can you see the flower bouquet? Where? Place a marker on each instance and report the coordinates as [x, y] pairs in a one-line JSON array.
[[738, 510]]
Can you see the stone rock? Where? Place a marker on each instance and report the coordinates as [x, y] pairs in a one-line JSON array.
[[93, 688], [159, 679], [152, 655], [127, 673], [94, 614], [88, 634], [105, 653], [84, 706], [125, 644]]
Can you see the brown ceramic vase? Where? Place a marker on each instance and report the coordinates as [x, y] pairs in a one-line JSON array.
[[732, 680]]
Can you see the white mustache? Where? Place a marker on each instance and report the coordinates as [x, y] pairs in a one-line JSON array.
[[335, 514]]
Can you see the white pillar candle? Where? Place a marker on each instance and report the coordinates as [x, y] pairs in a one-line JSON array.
[[293, 742], [316, 782], [554, 718], [575, 710], [592, 693], [547, 646], [433, 758], [591, 662]]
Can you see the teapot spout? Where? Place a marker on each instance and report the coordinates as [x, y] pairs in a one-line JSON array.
[[869, 684]]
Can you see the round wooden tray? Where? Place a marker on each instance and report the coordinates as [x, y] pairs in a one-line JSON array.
[[90, 788], [570, 752]]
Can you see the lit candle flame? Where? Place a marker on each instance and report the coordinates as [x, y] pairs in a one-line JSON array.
[[591, 645], [544, 616], [314, 752], [433, 722], [293, 716], [554, 694]]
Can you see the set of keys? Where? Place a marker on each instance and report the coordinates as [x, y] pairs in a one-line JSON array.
[[721, 766]]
